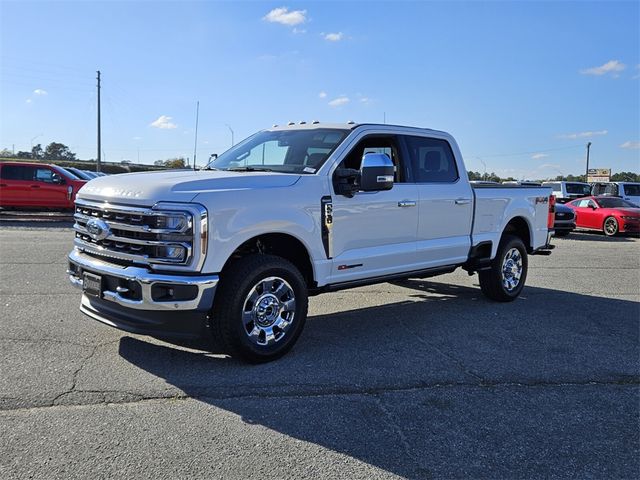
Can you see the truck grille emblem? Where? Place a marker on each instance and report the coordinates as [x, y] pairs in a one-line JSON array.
[[98, 229]]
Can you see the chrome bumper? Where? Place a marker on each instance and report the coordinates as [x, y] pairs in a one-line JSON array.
[[205, 284]]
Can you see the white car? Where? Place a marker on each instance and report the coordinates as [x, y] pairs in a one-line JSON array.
[[234, 250], [567, 191]]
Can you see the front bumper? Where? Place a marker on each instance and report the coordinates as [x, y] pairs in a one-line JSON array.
[[139, 301]]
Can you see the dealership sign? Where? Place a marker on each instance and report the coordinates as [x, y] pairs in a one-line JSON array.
[[599, 175]]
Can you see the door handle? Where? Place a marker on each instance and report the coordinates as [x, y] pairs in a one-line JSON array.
[[35, 186], [407, 203], [462, 201]]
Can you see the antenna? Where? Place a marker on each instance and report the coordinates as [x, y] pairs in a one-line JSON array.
[[195, 143]]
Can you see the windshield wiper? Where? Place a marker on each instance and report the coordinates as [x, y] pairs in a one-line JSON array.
[[249, 169]]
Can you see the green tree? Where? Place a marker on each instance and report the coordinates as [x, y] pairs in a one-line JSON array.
[[59, 151], [23, 155], [37, 152], [178, 162]]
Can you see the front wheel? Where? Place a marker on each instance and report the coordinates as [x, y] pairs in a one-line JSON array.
[[260, 308], [610, 226], [505, 279]]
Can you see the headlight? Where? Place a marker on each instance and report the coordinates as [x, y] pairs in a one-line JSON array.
[[636, 219], [172, 222]]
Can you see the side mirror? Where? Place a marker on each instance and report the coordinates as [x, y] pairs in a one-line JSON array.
[[57, 179], [592, 206], [376, 172]]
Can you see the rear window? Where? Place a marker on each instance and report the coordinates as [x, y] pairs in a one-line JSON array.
[[432, 160], [632, 189], [578, 188]]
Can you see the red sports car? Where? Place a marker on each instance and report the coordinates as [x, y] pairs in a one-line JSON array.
[[608, 214]]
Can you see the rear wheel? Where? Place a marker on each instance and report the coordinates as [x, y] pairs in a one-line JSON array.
[[505, 280], [610, 226], [260, 308]]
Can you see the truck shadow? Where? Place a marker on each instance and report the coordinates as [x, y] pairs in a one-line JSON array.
[[595, 236], [331, 390]]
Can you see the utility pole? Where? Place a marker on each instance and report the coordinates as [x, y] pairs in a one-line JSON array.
[[98, 166], [195, 143], [586, 177]]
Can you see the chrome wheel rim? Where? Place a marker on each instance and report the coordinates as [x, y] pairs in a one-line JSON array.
[[268, 311], [610, 227], [511, 269]]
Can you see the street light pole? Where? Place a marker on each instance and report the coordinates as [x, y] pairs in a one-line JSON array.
[[586, 177], [231, 130]]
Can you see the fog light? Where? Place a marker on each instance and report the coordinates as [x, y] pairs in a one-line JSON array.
[[173, 252]]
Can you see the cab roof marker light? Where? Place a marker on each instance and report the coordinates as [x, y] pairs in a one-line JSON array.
[[315, 122], [291, 123], [274, 125], [351, 122], [302, 122]]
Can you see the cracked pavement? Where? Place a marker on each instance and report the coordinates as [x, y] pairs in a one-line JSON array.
[[416, 379]]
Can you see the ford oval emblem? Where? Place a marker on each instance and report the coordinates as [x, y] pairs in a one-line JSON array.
[[98, 229]]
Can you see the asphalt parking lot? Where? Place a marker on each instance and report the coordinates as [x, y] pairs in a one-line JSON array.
[[418, 379]]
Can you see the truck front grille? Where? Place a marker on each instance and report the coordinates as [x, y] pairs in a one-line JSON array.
[[167, 236]]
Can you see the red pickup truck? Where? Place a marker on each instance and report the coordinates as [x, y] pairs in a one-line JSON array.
[[37, 185]]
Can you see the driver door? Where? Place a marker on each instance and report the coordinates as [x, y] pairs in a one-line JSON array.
[[374, 233]]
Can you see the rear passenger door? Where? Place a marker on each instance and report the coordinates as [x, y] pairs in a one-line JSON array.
[[445, 202], [15, 185]]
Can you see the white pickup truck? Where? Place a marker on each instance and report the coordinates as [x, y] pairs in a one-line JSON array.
[[234, 250]]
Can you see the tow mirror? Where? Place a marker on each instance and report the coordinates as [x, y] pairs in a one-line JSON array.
[[376, 172]]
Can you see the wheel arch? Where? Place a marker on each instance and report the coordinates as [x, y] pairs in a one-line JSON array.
[[519, 226], [281, 244]]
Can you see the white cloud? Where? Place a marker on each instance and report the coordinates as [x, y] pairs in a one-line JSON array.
[[283, 16], [365, 100], [333, 37], [322, 94], [338, 102], [164, 122], [538, 156], [631, 145], [573, 136], [299, 31], [28, 100], [40, 92], [612, 67]]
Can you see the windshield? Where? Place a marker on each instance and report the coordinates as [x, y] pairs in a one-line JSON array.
[[615, 203], [579, 188], [67, 173], [287, 151], [632, 189]]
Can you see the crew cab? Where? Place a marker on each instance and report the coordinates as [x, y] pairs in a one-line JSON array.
[[234, 250], [37, 185]]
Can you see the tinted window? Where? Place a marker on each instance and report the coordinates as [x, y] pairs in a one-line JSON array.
[[611, 189], [16, 172], [432, 160], [615, 203], [632, 189], [578, 188], [554, 186]]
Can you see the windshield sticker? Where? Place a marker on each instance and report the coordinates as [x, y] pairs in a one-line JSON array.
[[309, 170]]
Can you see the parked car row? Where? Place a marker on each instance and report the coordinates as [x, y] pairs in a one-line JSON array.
[[39, 185]]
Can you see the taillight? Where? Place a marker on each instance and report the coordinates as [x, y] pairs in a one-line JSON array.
[[552, 211]]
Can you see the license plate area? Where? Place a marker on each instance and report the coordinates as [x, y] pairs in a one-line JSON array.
[[92, 284]]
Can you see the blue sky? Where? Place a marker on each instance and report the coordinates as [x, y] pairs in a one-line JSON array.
[[521, 85]]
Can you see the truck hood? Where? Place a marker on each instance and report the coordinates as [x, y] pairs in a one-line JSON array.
[[148, 188]]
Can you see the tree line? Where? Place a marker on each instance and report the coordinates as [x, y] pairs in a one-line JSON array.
[[616, 177]]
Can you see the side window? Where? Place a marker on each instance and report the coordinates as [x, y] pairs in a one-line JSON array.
[[611, 189], [44, 175], [385, 144], [583, 203], [16, 172], [431, 160]]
